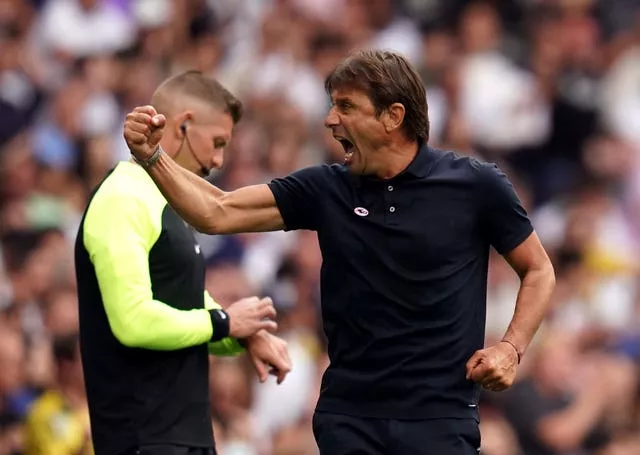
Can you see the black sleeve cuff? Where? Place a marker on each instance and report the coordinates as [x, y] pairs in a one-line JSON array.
[[219, 323]]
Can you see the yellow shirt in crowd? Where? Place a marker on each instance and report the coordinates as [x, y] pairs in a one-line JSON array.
[[52, 428]]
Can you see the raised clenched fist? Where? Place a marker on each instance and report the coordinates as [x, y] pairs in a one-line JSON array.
[[143, 129]]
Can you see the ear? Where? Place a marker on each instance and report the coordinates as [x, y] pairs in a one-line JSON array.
[[179, 120], [393, 117]]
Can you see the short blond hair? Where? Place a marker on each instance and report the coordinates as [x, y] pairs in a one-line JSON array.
[[195, 84]]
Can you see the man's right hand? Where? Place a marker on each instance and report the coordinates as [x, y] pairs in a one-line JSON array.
[[250, 315], [143, 129]]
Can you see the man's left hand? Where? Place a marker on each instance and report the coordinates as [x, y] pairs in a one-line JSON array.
[[268, 351], [494, 367]]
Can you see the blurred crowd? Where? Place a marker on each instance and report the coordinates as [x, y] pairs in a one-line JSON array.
[[549, 89]]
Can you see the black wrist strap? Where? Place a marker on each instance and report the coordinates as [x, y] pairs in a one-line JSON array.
[[220, 324]]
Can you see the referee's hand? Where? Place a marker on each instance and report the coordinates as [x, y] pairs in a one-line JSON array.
[[143, 129], [250, 315], [494, 368]]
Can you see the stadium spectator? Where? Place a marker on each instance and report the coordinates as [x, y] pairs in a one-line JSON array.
[[58, 421], [575, 66]]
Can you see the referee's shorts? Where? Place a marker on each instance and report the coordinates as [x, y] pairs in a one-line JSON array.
[[338, 434]]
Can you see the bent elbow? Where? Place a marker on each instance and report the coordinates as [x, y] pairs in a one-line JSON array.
[[550, 274], [209, 226], [212, 221], [126, 337], [542, 271], [216, 220]]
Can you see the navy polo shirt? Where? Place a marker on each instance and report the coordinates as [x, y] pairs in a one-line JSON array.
[[404, 278]]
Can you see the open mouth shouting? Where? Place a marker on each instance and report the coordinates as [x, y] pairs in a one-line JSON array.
[[347, 145]]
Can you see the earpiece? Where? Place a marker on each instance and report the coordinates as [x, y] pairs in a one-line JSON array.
[[204, 170]]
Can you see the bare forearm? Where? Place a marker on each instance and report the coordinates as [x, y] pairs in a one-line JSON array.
[[213, 211], [531, 307], [195, 199]]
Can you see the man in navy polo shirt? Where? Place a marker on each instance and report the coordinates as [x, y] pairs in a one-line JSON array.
[[405, 232]]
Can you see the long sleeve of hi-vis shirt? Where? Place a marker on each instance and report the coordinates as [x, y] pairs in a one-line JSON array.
[[227, 346], [120, 230], [146, 322]]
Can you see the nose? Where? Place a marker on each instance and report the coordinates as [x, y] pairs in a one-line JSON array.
[[332, 119], [218, 158]]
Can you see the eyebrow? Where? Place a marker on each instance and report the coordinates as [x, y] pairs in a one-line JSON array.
[[342, 99]]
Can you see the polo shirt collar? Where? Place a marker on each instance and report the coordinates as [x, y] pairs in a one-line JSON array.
[[421, 164], [419, 167]]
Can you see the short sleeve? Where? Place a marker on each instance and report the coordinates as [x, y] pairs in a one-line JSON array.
[[504, 219], [299, 196]]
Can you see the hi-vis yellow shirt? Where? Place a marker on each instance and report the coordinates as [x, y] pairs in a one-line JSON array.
[[145, 328], [122, 224]]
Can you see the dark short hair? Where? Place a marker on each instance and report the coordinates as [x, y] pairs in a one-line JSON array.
[[199, 86], [386, 77]]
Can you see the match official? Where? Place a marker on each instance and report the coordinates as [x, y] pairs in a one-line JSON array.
[[405, 232], [147, 325]]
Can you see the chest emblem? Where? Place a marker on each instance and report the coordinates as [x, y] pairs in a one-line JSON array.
[[360, 211]]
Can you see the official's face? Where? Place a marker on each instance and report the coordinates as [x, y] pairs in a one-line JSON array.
[[207, 134], [353, 122]]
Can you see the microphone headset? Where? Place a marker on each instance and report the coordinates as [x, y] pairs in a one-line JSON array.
[[203, 169]]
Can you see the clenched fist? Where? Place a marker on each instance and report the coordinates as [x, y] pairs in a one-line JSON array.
[[494, 368], [143, 129]]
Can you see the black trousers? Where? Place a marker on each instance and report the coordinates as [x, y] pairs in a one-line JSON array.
[[173, 450], [338, 434]]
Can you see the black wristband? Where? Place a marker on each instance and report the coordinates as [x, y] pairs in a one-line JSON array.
[[219, 323]]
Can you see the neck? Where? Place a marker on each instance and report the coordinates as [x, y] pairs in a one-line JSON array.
[[395, 158]]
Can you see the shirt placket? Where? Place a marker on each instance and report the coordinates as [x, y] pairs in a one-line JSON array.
[[391, 203]]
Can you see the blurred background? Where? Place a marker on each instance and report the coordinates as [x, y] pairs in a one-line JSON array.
[[549, 89]]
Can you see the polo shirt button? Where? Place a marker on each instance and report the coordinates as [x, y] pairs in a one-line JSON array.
[[392, 209], [390, 188]]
